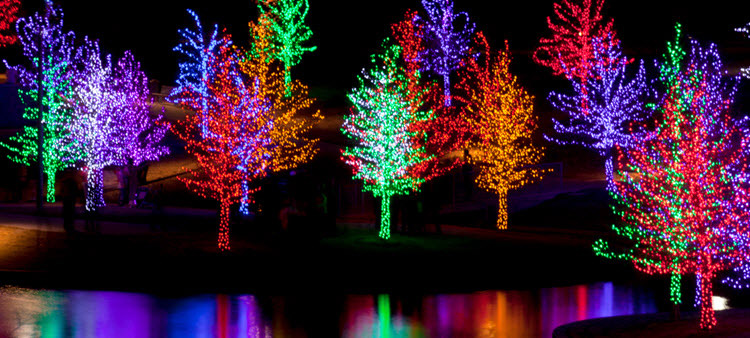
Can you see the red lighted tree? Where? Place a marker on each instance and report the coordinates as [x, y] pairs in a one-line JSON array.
[[239, 119], [570, 49], [448, 130], [8, 17]]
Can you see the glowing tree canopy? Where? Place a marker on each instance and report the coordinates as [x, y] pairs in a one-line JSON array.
[[684, 200], [448, 129], [446, 45], [615, 106], [501, 116], [380, 123], [745, 30], [289, 34], [570, 50], [251, 127], [197, 49], [8, 17], [111, 120], [44, 83]]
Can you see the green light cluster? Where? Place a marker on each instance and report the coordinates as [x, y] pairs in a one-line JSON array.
[[381, 124], [288, 32]]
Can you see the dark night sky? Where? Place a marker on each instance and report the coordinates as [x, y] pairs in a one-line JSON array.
[[347, 32]]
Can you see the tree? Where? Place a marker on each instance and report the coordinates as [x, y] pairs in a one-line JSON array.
[[501, 116], [47, 80], [448, 128], [288, 32], [197, 49], [570, 50], [446, 46], [111, 121], [8, 17], [240, 121], [684, 204], [614, 106], [380, 125], [249, 130], [745, 30]]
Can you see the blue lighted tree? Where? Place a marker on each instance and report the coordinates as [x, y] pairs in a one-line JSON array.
[[615, 105], [446, 46]]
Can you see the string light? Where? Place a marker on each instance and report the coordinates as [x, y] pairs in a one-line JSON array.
[[685, 206], [288, 32], [614, 106], [111, 120], [252, 129], [8, 17], [448, 129], [745, 30], [501, 115], [570, 50], [380, 124], [446, 45], [50, 52]]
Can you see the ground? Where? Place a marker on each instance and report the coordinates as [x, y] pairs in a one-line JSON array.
[[731, 323]]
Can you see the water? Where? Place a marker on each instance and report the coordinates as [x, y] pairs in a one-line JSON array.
[[531, 313]]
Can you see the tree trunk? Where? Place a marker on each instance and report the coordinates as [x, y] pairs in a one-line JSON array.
[[224, 215], [51, 178], [708, 317], [287, 79], [40, 128], [675, 294], [447, 89], [385, 217], [245, 201], [95, 189], [609, 171], [502, 210]]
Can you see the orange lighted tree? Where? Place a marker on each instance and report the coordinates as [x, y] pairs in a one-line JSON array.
[[501, 115]]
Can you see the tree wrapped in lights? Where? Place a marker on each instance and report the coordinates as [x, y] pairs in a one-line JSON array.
[[197, 49], [745, 30], [448, 128], [8, 17], [44, 85], [380, 124], [570, 50], [240, 120], [112, 122], [685, 204], [289, 33], [501, 114], [446, 46], [614, 106]]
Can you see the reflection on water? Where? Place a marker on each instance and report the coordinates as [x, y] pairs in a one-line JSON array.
[[34, 313]]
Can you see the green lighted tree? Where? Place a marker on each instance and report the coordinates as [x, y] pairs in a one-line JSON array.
[[288, 32], [381, 125]]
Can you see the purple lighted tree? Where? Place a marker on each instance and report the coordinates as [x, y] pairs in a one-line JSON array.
[[446, 47], [112, 121], [614, 106]]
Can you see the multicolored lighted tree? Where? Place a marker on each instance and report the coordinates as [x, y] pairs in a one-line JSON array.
[[251, 126], [501, 116], [448, 129], [745, 30], [380, 125], [8, 17], [682, 201], [44, 83], [446, 46], [615, 105], [288, 32], [570, 50]]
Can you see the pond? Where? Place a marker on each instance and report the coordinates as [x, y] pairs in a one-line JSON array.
[[522, 313]]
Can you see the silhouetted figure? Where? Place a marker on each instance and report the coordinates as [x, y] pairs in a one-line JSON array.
[[70, 193]]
